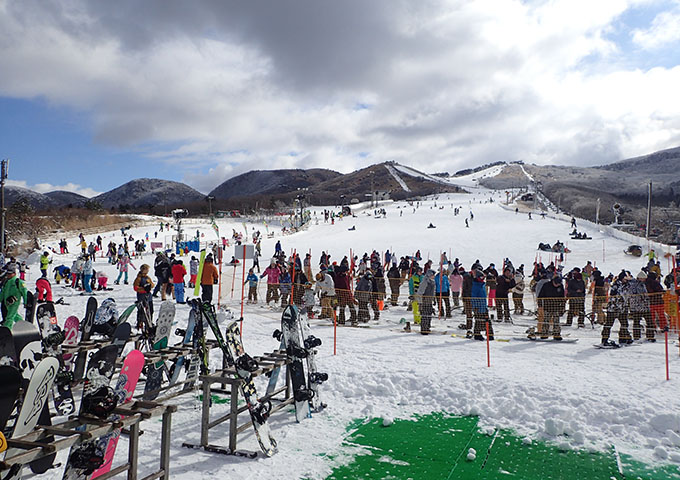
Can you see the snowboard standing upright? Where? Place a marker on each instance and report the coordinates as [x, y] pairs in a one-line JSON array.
[[292, 338], [154, 376], [124, 389], [98, 401], [43, 375], [86, 328], [314, 377]]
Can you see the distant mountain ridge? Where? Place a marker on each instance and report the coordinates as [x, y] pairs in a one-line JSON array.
[[264, 188], [148, 192]]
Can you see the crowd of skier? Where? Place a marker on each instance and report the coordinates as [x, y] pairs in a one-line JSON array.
[[355, 288]]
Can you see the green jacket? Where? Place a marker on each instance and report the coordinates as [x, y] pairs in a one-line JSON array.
[[13, 290], [44, 262]]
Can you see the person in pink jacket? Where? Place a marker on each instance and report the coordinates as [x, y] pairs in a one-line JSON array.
[[272, 273], [123, 264], [456, 282]]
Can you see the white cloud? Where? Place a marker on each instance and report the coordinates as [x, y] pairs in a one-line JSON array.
[[47, 187], [227, 87], [664, 30]]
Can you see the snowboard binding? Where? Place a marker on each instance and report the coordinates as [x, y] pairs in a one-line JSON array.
[[87, 458], [303, 394], [261, 412], [295, 351], [55, 339], [246, 363], [101, 402], [318, 377], [180, 332], [312, 342], [278, 334]]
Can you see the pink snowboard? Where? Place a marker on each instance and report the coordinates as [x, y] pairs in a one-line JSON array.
[[71, 331], [125, 388]]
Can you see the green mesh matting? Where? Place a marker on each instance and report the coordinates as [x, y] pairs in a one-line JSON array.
[[436, 446]]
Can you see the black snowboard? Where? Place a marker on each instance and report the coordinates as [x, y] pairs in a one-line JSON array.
[[292, 338], [28, 346], [8, 354], [10, 383], [86, 328], [121, 335], [30, 306]]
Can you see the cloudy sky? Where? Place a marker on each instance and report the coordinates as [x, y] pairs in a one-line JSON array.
[[96, 93]]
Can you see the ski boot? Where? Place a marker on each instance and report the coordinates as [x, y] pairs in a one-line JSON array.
[[318, 377], [407, 328], [468, 334], [312, 342], [610, 344]]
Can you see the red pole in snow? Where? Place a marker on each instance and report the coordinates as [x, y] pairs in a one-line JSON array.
[[292, 280], [488, 351]]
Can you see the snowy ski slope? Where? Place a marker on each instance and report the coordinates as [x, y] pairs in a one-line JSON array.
[[572, 394]]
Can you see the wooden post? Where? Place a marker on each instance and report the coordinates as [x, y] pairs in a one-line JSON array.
[[133, 451], [233, 417], [205, 414], [166, 434]]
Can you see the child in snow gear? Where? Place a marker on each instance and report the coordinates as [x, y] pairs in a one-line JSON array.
[[123, 265], [576, 293], [616, 308], [552, 299], [178, 273], [251, 280], [426, 298]]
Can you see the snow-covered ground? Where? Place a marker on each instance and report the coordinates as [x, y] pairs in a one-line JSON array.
[[571, 393]]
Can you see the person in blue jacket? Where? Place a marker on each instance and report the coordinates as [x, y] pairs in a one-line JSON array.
[[442, 291], [479, 307]]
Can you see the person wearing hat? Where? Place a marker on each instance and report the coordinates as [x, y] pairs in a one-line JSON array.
[[617, 308], [142, 286], [426, 296], [552, 300], [638, 307], [13, 290], [44, 263], [598, 287], [326, 289], [272, 272], [413, 284], [518, 291], [656, 307], [504, 283], [491, 276], [479, 307], [576, 294], [162, 270], [209, 278], [364, 291]]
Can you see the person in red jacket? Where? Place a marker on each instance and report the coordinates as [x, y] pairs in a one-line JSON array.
[[178, 272], [343, 292], [44, 289]]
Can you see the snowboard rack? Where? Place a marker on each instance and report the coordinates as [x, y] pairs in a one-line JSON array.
[[268, 404], [38, 444]]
